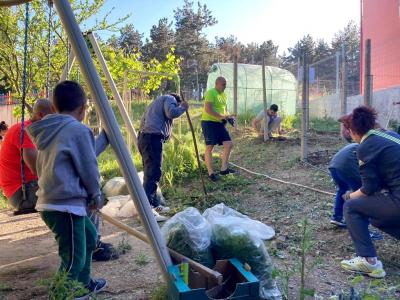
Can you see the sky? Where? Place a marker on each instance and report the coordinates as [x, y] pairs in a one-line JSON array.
[[282, 21]]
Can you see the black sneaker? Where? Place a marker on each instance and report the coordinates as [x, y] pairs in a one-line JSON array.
[[94, 286], [105, 252], [213, 177], [24, 211], [227, 171]]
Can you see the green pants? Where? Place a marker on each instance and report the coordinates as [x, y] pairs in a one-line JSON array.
[[76, 237]]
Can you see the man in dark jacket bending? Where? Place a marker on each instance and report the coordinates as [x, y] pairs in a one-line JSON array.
[[155, 129]]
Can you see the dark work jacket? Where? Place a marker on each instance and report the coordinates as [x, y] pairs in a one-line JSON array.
[[379, 160]]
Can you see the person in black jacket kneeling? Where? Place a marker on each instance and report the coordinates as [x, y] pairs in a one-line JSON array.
[[378, 200]]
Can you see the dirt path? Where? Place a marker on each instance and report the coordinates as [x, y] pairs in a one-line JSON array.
[[28, 252]]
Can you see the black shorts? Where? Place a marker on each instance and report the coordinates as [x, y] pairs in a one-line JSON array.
[[214, 133]]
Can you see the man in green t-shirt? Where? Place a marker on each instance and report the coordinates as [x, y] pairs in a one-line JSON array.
[[213, 122]]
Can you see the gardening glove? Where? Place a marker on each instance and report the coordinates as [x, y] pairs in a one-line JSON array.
[[185, 105], [96, 203], [346, 196], [232, 121]]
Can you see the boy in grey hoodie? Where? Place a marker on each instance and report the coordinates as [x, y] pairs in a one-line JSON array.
[[69, 181]]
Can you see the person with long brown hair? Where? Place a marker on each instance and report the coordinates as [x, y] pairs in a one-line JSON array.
[[378, 200]]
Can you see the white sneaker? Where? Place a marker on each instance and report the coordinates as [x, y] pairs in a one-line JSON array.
[[162, 209], [361, 265], [158, 217]]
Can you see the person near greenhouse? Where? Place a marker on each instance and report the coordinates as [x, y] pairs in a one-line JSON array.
[[378, 200], [213, 121], [273, 120], [155, 130]]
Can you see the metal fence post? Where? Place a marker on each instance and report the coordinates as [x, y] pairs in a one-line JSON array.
[[264, 85], [367, 74], [235, 85], [304, 106], [343, 83]]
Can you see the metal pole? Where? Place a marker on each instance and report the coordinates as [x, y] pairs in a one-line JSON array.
[[68, 66], [307, 103], [235, 84], [343, 83], [337, 73], [124, 113], [304, 106], [264, 85], [367, 74], [135, 188]]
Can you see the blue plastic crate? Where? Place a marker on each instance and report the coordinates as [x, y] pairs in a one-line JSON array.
[[238, 283]]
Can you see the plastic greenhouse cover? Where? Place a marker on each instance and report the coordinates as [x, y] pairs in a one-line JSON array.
[[281, 87]]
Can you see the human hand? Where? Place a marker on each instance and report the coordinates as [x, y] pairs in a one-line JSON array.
[[96, 203], [185, 105], [231, 120], [346, 196]]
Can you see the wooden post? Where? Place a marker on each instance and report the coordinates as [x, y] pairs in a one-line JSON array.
[[304, 106], [235, 82], [343, 83], [367, 74], [264, 85]]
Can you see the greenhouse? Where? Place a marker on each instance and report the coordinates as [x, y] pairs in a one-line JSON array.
[[281, 86]]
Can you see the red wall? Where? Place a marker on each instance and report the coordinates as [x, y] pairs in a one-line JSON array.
[[380, 22]]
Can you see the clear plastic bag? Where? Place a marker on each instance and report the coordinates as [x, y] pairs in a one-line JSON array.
[[255, 228], [229, 239], [190, 234]]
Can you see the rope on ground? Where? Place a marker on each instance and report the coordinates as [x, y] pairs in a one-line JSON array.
[[282, 181]]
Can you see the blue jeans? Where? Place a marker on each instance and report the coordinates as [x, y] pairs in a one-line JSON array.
[[343, 184], [151, 147]]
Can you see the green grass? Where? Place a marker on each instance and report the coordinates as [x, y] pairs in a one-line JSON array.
[[324, 125], [3, 201], [142, 259], [61, 287], [160, 293]]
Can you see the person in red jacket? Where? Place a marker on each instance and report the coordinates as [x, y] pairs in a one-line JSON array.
[[10, 162]]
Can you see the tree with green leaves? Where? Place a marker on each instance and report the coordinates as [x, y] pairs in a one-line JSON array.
[[130, 40], [254, 53], [304, 46], [226, 48], [12, 42], [162, 39], [191, 43], [349, 36]]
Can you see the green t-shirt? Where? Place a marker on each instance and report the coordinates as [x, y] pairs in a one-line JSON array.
[[218, 101]]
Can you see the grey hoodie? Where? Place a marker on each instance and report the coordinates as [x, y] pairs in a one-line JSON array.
[[66, 164]]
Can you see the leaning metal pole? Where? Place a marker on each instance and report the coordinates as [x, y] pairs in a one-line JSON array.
[[135, 188], [68, 67], [114, 90]]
